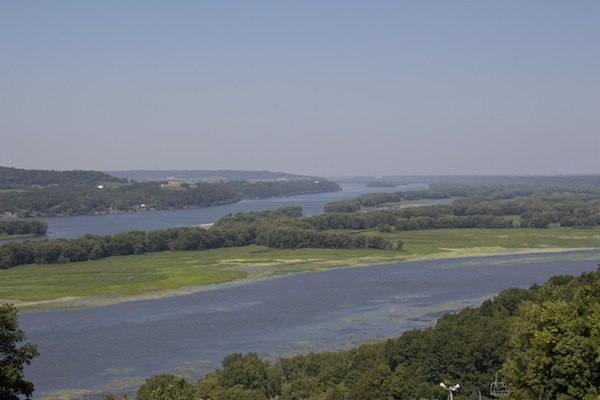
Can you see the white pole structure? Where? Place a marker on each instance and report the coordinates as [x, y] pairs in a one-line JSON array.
[[450, 389]]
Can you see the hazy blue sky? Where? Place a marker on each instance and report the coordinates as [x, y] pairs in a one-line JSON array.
[[315, 87]]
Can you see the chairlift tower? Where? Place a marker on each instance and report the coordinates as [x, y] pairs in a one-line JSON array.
[[450, 389]]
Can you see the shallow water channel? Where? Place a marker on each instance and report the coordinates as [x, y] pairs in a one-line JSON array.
[[110, 346]]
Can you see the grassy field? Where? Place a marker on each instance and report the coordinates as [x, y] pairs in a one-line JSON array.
[[168, 273], [110, 276], [400, 205], [138, 274], [476, 241]]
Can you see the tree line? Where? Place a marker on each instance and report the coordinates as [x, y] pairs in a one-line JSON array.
[[543, 341], [405, 221], [23, 227], [15, 178], [283, 228], [479, 193], [474, 207]]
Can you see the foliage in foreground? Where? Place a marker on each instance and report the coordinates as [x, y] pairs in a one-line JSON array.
[[545, 341], [13, 356], [555, 342]]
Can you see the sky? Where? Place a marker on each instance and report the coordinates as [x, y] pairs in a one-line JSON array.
[[328, 88]]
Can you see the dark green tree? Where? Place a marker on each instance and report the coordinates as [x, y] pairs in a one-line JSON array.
[[166, 387], [13, 356], [251, 373], [556, 344]]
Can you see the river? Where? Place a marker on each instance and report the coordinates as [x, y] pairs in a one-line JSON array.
[[112, 346]]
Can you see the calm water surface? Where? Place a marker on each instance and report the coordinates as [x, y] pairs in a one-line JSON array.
[[90, 348]]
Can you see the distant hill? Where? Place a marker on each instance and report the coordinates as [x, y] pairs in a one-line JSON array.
[[206, 175], [14, 178], [26, 193]]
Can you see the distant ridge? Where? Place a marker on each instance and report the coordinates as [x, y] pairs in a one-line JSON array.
[[206, 175], [26, 193], [17, 178]]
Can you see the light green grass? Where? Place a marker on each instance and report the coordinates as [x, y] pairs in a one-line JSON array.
[[134, 275], [114, 275], [166, 272], [427, 242], [400, 205]]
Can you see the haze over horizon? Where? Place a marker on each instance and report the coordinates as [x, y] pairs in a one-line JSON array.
[[330, 89]]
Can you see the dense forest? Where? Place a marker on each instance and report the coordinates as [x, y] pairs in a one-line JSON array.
[[27, 193], [472, 206], [543, 341], [23, 227], [15, 178]]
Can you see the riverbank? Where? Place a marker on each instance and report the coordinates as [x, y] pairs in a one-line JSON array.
[[166, 274], [257, 272]]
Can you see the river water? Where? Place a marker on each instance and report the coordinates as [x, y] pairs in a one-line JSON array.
[[111, 346], [75, 226]]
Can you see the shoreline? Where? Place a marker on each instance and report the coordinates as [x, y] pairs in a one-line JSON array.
[[37, 215], [258, 272]]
